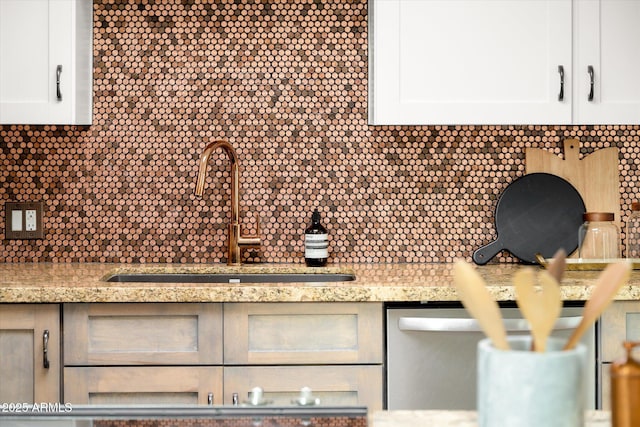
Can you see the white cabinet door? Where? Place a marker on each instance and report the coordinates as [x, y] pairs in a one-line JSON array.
[[608, 40], [470, 61], [45, 53]]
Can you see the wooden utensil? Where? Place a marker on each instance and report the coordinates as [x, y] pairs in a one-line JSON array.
[[537, 213], [595, 176], [557, 265], [541, 307], [609, 281], [479, 303]]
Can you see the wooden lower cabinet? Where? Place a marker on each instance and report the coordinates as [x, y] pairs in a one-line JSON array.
[[619, 323], [605, 385], [29, 353], [142, 334], [142, 385], [181, 353], [333, 385], [303, 333]]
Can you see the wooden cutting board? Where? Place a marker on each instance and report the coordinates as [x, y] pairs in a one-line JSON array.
[[595, 176]]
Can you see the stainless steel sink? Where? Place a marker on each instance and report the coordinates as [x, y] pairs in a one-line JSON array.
[[229, 277]]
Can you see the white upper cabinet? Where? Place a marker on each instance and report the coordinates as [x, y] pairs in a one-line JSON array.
[[503, 61], [608, 40], [46, 61], [470, 61]]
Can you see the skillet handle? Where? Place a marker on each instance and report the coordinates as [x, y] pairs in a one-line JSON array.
[[484, 254]]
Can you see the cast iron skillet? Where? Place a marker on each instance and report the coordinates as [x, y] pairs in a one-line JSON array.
[[537, 213]]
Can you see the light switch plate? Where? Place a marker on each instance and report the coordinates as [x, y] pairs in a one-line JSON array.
[[23, 220], [16, 220]]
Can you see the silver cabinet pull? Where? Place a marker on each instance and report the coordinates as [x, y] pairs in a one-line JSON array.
[[45, 349], [439, 324], [58, 72], [591, 81], [210, 399], [235, 401], [561, 94]]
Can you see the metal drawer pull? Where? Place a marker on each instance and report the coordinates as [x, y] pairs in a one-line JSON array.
[[561, 94], [58, 72], [210, 399], [45, 349], [235, 401], [433, 324], [591, 80]]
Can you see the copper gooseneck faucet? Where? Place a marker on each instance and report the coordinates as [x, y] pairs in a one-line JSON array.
[[235, 240]]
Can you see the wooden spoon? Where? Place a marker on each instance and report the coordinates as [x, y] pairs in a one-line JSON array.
[[478, 301], [557, 265], [541, 307], [609, 282]]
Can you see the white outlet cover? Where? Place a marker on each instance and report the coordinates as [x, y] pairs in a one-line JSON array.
[[31, 220], [16, 220]]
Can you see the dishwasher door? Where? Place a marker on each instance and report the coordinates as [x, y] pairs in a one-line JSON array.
[[431, 355]]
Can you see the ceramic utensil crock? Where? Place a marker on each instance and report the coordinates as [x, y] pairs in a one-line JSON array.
[[522, 388]]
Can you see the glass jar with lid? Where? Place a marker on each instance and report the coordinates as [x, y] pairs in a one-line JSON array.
[[632, 233], [599, 237]]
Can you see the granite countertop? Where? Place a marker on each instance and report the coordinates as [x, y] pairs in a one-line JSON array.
[[84, 282]]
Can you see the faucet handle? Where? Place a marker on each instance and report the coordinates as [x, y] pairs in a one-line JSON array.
[[257, 234], [252, 240], [257, 214]]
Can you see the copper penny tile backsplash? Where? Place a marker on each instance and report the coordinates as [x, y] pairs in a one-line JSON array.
[[286, 83]]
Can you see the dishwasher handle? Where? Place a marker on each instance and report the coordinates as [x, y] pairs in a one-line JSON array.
[[443, 324]]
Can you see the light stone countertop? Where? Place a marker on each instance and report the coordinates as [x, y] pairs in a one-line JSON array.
[[457, 419], [83, 282]]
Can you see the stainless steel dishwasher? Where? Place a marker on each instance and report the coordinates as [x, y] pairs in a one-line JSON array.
[[431, 354]]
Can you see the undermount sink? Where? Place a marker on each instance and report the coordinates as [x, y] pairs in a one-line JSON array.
[[229, 277]]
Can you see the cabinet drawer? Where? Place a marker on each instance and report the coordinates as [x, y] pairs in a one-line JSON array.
[[333, 385], [139, 334], [303, 333], [142, 385], [619, 323]]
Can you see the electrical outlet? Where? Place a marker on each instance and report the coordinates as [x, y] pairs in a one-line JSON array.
[[23, 220], [31, 223]]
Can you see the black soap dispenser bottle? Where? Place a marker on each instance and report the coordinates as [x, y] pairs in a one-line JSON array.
[[316, 242]]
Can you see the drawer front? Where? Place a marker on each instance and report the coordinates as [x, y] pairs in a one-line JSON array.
[[139, 334], [303, 333], [619, 323], [333, 385], [142, 385]]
